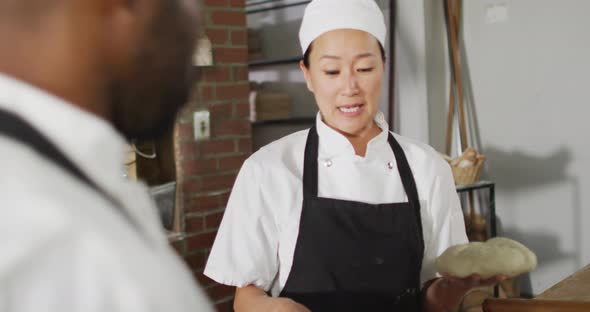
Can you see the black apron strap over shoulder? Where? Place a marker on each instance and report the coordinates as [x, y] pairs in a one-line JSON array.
[[310, 165], [14, 127], [407, 177]]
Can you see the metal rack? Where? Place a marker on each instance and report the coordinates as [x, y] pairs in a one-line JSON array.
[[482, 185], [277, 61], [289, 121], [265, 8], [258, 6], [491, 187]]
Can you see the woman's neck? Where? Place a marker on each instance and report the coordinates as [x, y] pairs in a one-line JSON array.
[[361, 140]]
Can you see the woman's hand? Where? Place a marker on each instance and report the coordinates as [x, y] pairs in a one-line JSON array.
[[251, 298], [446, 293]]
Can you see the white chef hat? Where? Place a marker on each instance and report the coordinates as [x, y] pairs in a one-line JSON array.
[[322, 16]]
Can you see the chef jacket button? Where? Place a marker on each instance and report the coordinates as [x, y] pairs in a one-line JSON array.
[[390, 165], [328, 163], [379, 260]]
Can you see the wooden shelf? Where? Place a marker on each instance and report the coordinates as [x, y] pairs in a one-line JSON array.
[[277, 61], [289, 121]]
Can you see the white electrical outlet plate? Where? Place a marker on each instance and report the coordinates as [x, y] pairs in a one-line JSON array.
[[203, 53], [202, 125], [497, 13]]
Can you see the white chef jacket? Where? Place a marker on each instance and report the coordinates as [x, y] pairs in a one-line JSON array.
[[257, 237], [63, 246]]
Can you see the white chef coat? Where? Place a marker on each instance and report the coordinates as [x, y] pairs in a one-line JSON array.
[[257, 237], [63, 246]]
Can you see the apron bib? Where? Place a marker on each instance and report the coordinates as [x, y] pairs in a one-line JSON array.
[[354, 256]]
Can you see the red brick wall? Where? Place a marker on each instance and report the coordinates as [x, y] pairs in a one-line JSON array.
[[206, 170]]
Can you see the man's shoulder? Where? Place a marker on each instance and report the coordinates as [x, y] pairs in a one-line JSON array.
[[28, 175], [32, 215]]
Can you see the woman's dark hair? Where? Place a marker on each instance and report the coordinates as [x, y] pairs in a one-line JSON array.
[[308, 52]]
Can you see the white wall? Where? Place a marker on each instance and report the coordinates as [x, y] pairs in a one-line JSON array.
[[530, 77], [410, 71]]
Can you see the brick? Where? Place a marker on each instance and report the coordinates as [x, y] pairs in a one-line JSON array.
[[240, 73], [194, 224], [218, 292], [185, 130], [220, 182], [231, 162], [242, 109], [213, 221], [232, 127], [216, 74], [245, 145], [221, 111], [239, 37], [199, 166], [241, 91], [196, 261], [231, 55], [217, 36], [206, 93], [210, 3], [188, 149], [237, 3], [204, 203], [228, 18], [217, 147], [191, 186], [224, 199], [200, 242]]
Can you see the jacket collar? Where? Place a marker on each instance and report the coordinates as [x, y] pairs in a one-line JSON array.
[[333, 144]]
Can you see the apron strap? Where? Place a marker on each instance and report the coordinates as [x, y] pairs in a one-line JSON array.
[[405, 172], [13, 126], [310, 165]]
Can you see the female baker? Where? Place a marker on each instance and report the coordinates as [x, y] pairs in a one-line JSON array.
[[345, 216]]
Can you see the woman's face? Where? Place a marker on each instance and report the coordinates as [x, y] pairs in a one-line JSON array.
[[345, 75]]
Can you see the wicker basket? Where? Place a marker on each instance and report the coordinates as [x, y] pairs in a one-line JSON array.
[[465, 175], [468, 175]]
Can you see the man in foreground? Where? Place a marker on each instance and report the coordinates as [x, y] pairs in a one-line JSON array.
[[77, 79]]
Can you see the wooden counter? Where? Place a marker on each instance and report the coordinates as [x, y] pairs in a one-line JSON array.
[[576, 287], [570, 295]]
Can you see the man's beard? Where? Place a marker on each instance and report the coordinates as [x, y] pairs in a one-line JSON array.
[[145, 103]]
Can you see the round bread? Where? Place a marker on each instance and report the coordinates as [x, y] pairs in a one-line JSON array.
[[497, 256], [465, 163]]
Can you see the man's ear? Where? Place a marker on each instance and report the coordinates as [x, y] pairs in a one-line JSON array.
[[305, 71]]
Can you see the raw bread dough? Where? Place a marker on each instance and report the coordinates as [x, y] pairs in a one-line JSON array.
[[497, 256]]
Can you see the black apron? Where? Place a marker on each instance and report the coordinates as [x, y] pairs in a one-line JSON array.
[[14, 127], [353, 256]]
